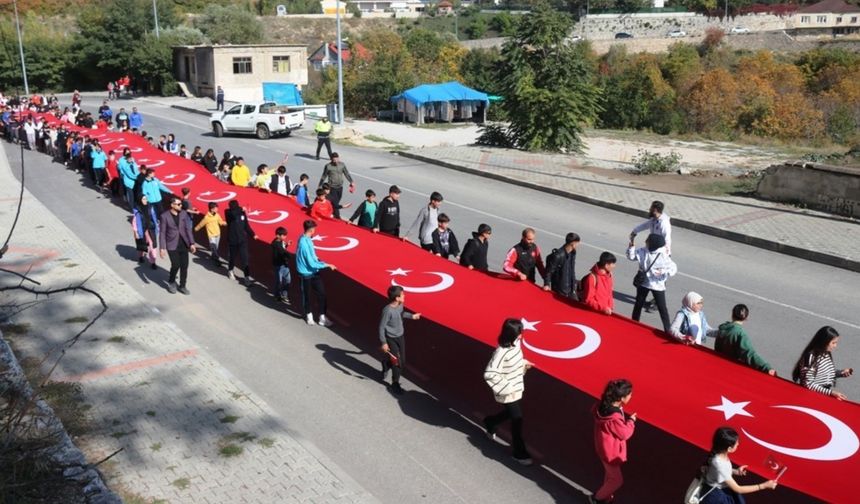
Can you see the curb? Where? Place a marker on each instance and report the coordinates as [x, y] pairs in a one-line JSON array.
[[191, 110], [773, 246]]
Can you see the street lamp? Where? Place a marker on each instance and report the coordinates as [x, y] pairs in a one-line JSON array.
[[339, 66], [155, 15], [21, 48]]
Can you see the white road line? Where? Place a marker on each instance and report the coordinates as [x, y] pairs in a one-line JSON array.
[[556, 235]]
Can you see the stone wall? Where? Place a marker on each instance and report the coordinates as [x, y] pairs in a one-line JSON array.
[[605, 26], [830, 189]]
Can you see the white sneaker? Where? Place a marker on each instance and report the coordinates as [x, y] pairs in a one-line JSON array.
[[230, 275], [310, 319], [324, 321]]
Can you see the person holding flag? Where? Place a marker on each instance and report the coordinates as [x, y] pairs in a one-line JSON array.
[[718, 485]]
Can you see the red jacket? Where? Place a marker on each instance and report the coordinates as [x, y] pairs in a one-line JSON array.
[[597, 295], [611, 434], [322, 210]]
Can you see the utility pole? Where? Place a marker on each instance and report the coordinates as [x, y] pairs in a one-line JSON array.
[[727, 12], [155, 15], [21, 48], [339, 67]]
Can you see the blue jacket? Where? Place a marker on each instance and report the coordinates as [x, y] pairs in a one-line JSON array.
[[128, 172], [152, 190], [99, 159], [307, 263], [135, 120]]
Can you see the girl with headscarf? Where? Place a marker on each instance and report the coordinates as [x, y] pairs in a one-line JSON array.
[[690, 325], [144, 223], [656, 267]]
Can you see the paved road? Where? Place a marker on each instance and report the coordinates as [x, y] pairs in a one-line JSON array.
[[418, 450]]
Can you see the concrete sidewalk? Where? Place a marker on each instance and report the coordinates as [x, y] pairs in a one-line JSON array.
[[810, 235], [190, 431]]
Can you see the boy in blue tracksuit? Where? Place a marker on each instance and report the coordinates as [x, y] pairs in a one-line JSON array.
[[152, 189], [309, 267], [127, 168]]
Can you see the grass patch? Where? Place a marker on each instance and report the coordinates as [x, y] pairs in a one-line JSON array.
[[65, 398], [116, 339], [267, 442], [230, 450], [242, 437], [236, 396], [730, 187], [70, 265], [150, 413], [182, 483], [141, 383], [15, 329], [76, 320], [122, 434], [155, 446], [229, 419]]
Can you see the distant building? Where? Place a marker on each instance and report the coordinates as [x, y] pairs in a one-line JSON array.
[[326, 55], [239, 69], [330, 7], [390, 6], [830, 18], [444, 8]]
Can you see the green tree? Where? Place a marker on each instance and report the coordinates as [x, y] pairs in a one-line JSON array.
[[423, 44], [46, 54], [681, 65], [370, 83], [230, 25], [504, 23], [477, 28], [153, 59], [548, 87], [479, 70]]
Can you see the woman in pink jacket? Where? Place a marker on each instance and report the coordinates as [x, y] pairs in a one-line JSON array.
[[612, 428]]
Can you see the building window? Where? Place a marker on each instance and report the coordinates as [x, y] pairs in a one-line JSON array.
[[838, 20], [853, 19], [281, 64], [804, 19], [242, 65], [822, 19]]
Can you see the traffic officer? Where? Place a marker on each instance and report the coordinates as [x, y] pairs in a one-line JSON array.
[[323, 131]]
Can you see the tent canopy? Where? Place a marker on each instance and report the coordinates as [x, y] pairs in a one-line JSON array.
[[448, 91]]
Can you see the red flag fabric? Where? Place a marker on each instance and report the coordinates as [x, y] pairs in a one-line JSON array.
[[685, 391]]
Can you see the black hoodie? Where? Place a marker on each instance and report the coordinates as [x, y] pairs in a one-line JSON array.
[[475, 253]]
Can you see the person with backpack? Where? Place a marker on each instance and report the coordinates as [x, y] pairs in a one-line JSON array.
[[612, 428], [474, 254], [561, 268], [300, 191], [596, 288], [504, 375], [718, 475], [690, 326], [655, 267], [815, 369]]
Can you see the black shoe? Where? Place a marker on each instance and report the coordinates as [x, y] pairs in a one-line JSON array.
[[397, 389], [153, 266], [318, 158], [140, 260], [525, 461], [489, 430], [171, 288], [183, 290]]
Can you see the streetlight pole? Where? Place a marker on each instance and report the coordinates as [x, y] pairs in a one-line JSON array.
[[339, 66], [727, 12], [21, 48], [155, 15]]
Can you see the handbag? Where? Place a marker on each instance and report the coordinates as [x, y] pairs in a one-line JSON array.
[[642, 276], [692, 494]]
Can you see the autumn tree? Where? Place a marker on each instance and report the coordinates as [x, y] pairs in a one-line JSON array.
[[547, 84], [711, 103]]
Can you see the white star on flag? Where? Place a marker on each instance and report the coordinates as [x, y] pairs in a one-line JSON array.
[[318, 238], [207, 193], [254, 213], [171, 176], [399, 272], [731, 409], [529, 325]]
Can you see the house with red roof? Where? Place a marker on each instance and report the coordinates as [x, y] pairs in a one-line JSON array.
[[326, 54], [828, 18]]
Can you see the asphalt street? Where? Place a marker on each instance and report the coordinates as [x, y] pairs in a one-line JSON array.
[[418, 450]]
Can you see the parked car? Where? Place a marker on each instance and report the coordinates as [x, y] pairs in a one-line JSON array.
[[264, 119], [622, 35], [739, 29], [677, 33], [576, 38]]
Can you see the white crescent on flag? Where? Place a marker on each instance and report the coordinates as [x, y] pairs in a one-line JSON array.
[[445, 281], [151, 163], [183, 179], [588, 346], [108, 141], [351, 243], [843, 441], [281, 215], [230, 195]]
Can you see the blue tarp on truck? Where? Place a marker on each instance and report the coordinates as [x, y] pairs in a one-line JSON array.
[[282, 93]]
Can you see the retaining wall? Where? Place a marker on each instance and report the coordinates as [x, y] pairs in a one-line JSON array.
[[831, 189]]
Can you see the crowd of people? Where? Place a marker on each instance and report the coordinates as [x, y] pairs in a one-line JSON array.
[[161, 232]]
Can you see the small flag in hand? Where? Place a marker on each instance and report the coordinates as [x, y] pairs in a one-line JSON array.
[[776, 466]]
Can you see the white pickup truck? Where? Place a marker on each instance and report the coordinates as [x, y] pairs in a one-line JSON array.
[[264, 119]]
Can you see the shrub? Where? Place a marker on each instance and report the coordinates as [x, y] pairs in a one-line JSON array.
[[647, 162], [494, 135]]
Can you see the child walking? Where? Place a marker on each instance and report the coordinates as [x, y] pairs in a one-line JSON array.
[[281, 265], [213, 222], [612, 428], [391, 336]]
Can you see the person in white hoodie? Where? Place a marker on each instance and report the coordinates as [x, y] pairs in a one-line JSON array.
[[690, 326], [655, 267], [504, 374]]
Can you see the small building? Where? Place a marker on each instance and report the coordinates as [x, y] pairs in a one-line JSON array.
[[326, 55], [239, 69], [331, 7], [828, 18], [444, 8], [446, 102]]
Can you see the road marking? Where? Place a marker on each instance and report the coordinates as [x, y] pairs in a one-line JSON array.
[[556, 235], [687, 275], [131, 366]]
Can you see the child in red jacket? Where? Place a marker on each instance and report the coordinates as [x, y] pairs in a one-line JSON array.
[[596, 287], [612, 428]]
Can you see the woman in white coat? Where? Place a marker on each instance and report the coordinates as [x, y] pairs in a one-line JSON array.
[[655, 267]]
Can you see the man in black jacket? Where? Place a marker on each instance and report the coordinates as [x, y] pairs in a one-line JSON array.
[[474, 255], [444, 242], [279, 183], [561, 267], [281, 265], [238, 232], [388, 213]]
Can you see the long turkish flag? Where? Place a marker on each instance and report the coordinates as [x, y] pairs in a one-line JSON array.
[[687, 392]]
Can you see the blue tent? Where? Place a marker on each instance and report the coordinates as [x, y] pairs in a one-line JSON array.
[[449, 91], [282, 93], [429, 96]]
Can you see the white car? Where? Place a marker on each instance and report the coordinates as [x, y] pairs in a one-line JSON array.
[[739, 29], [677, 33], [264, 119]]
